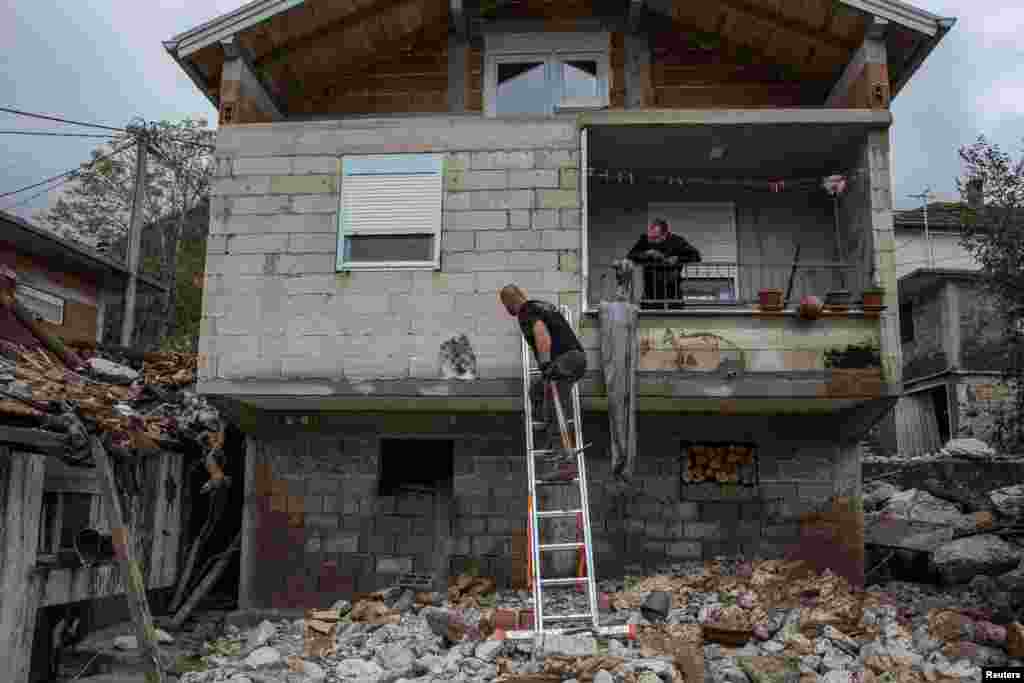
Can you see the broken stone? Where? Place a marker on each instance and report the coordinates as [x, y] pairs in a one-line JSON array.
[[126, 643], [264, 656], [841, 640], [343, 607], [260, 635], [921, 506], [405, 601], [960, 560], [569, 646], [358, 669], [114, 373], [1009, 501], [657, 606], [877, 494], [602, 676], [396, 657], [443, 623], [973, 449], [488, 650]]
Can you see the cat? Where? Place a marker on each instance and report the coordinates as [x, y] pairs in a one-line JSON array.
[[457, 359]]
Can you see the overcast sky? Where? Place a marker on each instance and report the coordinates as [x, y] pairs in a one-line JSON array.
[[103, 61]]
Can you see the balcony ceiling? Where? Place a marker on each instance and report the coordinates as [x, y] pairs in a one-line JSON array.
[[751, 150]]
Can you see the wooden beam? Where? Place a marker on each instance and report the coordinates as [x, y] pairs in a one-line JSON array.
[[21, 505], [35, 439], [865, 81], [800, 28], [458, 55], [241, 81], [131, 571]]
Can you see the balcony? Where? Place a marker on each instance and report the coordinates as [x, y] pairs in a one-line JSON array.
[[725, 285]]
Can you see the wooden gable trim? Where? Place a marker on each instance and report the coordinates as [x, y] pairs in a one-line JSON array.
[[244, 96], [865, 81]]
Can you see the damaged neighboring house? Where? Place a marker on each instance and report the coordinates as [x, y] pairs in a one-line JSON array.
[[76, 291], [383, 169], [950, 331]]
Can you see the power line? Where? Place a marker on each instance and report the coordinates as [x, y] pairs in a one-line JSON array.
[[59, 120], [66, 135], [63, 177]]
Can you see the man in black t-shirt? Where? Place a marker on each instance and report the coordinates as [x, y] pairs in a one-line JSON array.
[[664, 254], [557, 349]]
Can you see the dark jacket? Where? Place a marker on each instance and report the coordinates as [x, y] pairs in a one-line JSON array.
[[673, 245], [562, 337]]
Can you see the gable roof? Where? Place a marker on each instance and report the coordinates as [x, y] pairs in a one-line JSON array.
[[65, 254], [291, 38]]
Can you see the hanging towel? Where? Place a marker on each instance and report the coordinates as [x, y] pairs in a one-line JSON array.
[[620, 349]]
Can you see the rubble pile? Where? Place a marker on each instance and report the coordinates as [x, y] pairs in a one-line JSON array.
[[785, 621], [958, 449], [133, 409]]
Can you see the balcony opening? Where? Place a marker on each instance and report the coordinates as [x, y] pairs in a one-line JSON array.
[[748, 208]]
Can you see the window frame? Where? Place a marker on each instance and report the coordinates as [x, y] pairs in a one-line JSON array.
[[43, 296], [550, 49], [342, 265]]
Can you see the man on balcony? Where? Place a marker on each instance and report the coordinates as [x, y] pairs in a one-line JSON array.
[[662, 255], [558, 352]]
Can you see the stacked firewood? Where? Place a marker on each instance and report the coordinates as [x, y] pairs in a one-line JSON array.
[[717, 463]]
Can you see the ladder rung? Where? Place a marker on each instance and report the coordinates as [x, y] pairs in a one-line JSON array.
[[568, 617], [561, 546], [556, 482], [559, 513], [562, 582]]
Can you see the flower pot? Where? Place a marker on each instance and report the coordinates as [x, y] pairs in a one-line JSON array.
[[810, 307], [506, 619], [872, 299], [771, 299]]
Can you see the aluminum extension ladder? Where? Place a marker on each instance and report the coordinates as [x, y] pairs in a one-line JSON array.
[[570, 443]]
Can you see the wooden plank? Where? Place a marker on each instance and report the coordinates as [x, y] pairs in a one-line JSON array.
[[21, 504], [125, 555], [33, 438], [61, 477]]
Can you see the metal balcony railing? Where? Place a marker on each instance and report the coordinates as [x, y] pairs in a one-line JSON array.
[[716, 284]]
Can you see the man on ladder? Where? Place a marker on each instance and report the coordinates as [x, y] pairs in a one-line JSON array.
[[559, 354]]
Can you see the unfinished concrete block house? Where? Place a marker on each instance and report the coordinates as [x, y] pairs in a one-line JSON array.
[[386, 166]]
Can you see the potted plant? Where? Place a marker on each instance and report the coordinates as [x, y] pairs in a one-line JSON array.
[[838, 300], [771, 299], [872, 298]]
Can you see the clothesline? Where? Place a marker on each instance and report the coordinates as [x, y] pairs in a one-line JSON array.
[[626, 177]]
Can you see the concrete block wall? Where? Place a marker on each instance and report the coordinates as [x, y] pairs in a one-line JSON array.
[[315, 528], [274, 307]]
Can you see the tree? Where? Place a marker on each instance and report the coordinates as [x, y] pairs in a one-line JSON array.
[[993, 234], [95, 207]]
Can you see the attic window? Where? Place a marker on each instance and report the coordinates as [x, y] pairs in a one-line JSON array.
[[541, 73], [45, 306]]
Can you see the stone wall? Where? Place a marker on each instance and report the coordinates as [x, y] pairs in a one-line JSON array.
[[316, 528], [274, 307], [981, 330]]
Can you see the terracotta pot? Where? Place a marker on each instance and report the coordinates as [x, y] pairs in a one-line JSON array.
[[771, 299], [810, 307], [873, 298]]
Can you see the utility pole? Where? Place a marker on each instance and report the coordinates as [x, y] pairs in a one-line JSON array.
[[135, 234], [924, 197]]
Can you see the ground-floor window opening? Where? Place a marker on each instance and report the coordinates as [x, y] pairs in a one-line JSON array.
[[718, 463], [409, 464]]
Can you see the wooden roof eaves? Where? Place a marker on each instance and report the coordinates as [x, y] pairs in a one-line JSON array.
[[229, 24]]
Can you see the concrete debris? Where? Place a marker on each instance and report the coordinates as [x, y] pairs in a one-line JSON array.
[[912, 631], [163, 636], [1008, 501], [264, 656], [922, 506], [260, 635], [126, 643], [974, 449], [986, 554], [877, 494], [111, 372]]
